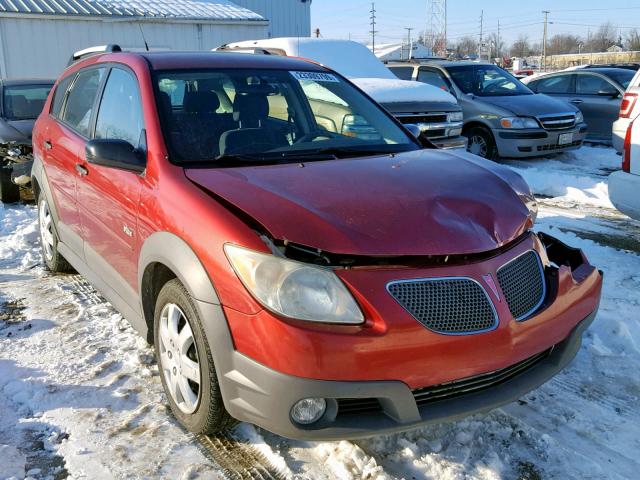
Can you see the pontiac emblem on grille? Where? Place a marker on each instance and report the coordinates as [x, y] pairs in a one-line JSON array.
[[488, 279]]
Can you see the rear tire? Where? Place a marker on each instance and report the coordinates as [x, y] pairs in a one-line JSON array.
[[186, 366], [9, 191], [54, 261], [481, 143]]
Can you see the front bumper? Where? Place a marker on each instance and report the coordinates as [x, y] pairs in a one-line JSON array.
[[623, 192], [449, 142], [391, 363], [537, 141], [264, 397]]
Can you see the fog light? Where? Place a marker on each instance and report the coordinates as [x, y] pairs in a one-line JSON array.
[[308, 410]]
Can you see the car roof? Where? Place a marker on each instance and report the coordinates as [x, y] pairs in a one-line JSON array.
[[603, 70], [26, 81], [194, 60]]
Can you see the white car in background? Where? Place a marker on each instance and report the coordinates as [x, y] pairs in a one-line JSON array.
[[433, 110], [624, 184], [629, 109]]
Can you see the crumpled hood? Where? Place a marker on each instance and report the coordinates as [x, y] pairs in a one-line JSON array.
[[427, 202], [18, 131], [529, 105]]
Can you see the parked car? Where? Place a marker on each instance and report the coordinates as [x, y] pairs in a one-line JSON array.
[[628, 66], [321, 285], [597, 92], [624, 184], [502, 117], [435, 112], [21, 102], [629, 109]]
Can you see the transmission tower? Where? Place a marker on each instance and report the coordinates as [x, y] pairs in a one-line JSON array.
[[436, 37]]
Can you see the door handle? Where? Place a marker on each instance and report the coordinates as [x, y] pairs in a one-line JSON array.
[[576, 101], [82, 170], [48, 145]]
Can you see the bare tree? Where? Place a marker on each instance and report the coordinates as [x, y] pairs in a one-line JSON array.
[[521, 47], [466, 45], [603, 38], [633, 40], [496, 45], [563, 43]]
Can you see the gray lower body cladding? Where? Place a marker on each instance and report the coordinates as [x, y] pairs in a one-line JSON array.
[[257, 394]]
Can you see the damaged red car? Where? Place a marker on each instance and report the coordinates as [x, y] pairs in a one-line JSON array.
[[297, 257]]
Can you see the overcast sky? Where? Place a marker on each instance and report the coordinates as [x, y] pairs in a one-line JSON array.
[[341, 18]]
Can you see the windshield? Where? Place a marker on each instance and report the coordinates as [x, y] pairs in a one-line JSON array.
[[486, 81], [267, 116], [24, 102]]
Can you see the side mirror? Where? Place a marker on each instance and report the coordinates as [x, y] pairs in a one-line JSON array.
[[115, 154], [414, 130]]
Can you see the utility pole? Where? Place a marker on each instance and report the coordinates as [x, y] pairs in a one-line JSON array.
[[409, 44], [317, 32], [498, 46], [373, 27], [544, 39], [481, 24]]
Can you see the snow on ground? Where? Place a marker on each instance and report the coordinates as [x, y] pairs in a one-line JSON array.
[[80, 394]]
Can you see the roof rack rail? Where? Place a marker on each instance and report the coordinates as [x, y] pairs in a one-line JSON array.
[[255, 50], [110, 48]]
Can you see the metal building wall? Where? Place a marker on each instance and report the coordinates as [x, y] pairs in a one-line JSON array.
[[40, 47], [287, 18]]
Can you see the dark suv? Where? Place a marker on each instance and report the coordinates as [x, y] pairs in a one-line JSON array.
[[319, 280], [21, 102]]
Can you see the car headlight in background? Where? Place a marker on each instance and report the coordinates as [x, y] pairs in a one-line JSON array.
[[294, 289], [455, 117], [579, 117], [519, 122]]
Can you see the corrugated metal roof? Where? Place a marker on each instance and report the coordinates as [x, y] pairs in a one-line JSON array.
[[184, 9]]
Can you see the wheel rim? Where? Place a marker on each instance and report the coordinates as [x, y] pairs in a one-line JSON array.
[[179, 359], [478, 145], [46, 229]]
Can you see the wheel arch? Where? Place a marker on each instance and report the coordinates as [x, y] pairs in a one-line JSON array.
[[476, 123], [163, 257]]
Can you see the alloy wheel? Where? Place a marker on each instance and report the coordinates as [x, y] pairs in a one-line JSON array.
[[179, 360], [478, 146], [46, 229]]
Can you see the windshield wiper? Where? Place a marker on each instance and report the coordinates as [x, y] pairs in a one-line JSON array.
[[330, 152]]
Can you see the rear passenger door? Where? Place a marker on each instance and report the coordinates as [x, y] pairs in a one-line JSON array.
[[108, 197], [64, 140], [599, 101]]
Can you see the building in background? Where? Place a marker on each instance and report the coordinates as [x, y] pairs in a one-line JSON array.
[[393, 52], [37, 37]]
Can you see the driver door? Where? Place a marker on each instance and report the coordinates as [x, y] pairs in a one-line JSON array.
[[108, 197]]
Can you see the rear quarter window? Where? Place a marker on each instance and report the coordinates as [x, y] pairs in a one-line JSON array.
[[59, 96], [558, 84], [403, 73]]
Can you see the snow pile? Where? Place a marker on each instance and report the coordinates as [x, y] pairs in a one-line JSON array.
[[12, 462], [577, 176], [383, 90]]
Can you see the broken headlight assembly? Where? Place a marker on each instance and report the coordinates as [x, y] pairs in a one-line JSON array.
[[293, 289]]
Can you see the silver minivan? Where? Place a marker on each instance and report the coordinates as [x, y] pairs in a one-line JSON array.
[[502, 117]]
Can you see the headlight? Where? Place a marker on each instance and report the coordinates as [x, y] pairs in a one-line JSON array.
[[294, 289], [519, 122], [456, 117], [579, 117]]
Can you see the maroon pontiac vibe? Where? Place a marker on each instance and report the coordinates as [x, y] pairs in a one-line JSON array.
[[297, 257]]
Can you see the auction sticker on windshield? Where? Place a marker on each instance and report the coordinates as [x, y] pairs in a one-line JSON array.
[[315, 76]]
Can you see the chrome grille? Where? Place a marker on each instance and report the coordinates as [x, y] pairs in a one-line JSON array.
[[558, 122], [446, 305], [523, 285]]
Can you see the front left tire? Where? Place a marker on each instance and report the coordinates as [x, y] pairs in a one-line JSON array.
[[185, 362]]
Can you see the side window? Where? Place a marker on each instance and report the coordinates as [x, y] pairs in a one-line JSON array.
[[403, 73], [592, 84], [81, 98], [558, 84], [59, 95], [120, 115], [432, 78]]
